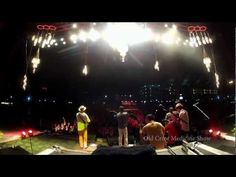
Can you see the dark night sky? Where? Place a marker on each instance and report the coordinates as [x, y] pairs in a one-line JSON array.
[[61, 71]]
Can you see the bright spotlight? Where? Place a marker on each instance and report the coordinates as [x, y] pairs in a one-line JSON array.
[[40, 39], [85, 70], [156, 66], [191, 44], [23, 134], [207, 62], [24, 82], [93, 35], [73, 37], [64, 42], [33, 37], [217, 80], [83, 36], [166, 25], [56, 44], [169, 37], [74, 25], [206, 39], [210, 40], [231, 82], [203, 41], [62, 39], [174, 26], [30, 132], [35, 61], [35, 41]]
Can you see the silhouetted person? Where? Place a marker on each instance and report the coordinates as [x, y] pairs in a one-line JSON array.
[[122, 118]]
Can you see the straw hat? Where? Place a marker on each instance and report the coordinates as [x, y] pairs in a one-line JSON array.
[[82, 108]]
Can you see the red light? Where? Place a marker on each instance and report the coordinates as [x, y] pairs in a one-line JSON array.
[[23, 133], [210, 131], [30, 132]]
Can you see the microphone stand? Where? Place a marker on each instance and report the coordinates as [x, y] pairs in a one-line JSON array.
[[195, 105]]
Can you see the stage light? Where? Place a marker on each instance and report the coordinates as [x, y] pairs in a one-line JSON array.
[[62, 39], [40, 39], [51, 42], [85, 70], [44, 43], [174, 26], [83, 36], [191, 44], [74, 25], [30, 132], [210, 40], [93, 35], [33, 37], [64, 42], [169, 36], [207, 62], [35, 61], [217, 80], [23, 134], [218, 133], [231, 82], [49, 37], [166, 25], [49, 46], [120, 35], [73, 37], [206, 39], [203, 41], [24, 82], [56, 44], [35, 41], [28, 98], [198, 38], [210, 131], [156, 66]]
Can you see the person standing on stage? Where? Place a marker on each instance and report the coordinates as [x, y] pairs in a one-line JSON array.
[[122, 118], [82, 125]]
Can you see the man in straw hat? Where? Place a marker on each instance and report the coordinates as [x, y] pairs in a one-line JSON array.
[[82, 123]]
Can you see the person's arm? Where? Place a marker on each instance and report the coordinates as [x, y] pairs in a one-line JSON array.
[[88, 119]]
